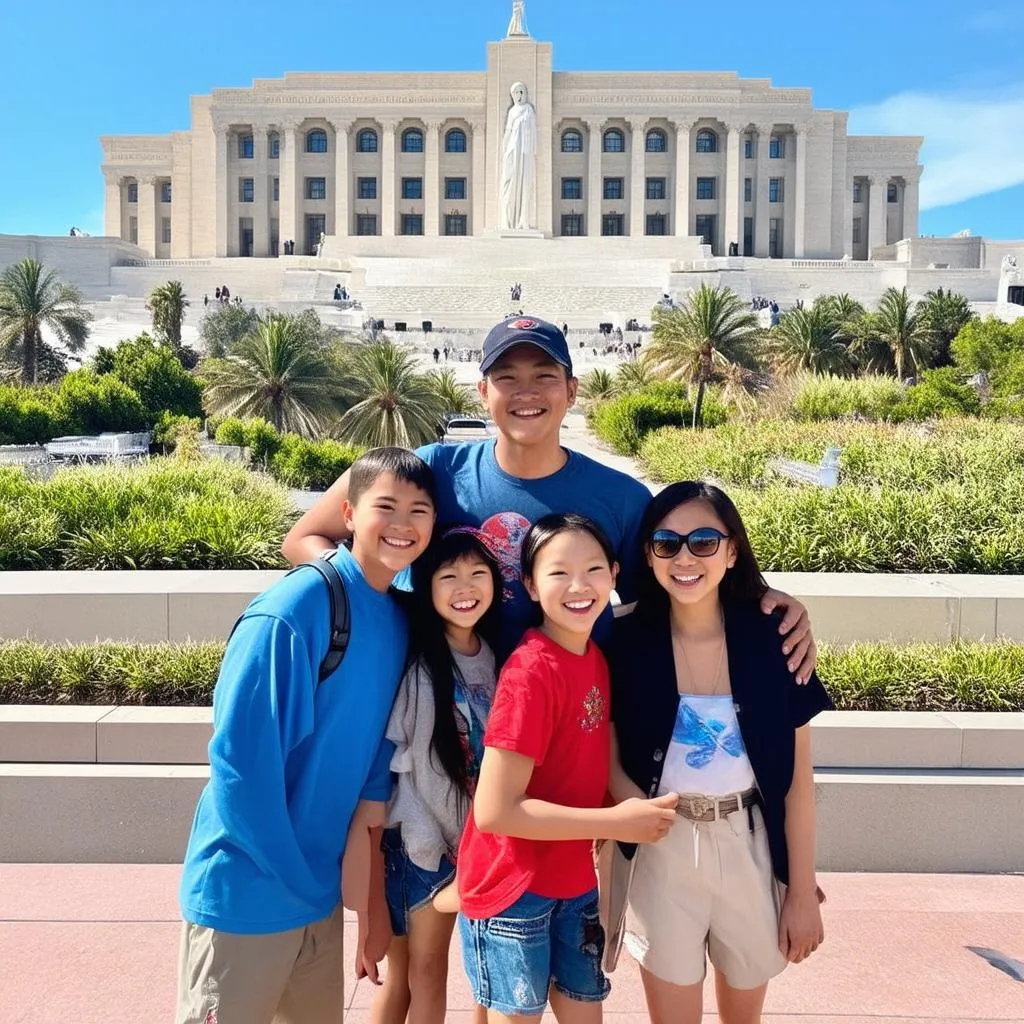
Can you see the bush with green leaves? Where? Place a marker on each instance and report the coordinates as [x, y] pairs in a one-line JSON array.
[[163, 514], [625, 421], [311, 465], [868, 677], [828, 397]]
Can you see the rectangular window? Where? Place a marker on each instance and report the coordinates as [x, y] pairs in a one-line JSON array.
[[748, 190], [614, 188], [748, 148], [705, 188], [412, 188], [776, 190], [366, 223], [572, 188], [245, 147], [657, 224], [858, 191], [165, 230], [775, 238], [133, 192], [246, 190], [748, 236], [455, 224], [165, 192], [275, 147], [856, 230], [892, 193], [613, 224], [366, 188], [455, 188], [572, 225], [706, 228], [655, 188], [777, 148], [316, 188], [412, 224], [276, 190], [133, 230], [316, 225]]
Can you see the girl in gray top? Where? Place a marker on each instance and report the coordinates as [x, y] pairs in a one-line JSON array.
[[437, 727]]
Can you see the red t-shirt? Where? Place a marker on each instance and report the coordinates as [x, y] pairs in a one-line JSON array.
[[552, 706]]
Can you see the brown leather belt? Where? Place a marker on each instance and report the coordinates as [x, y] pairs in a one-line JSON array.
[[694, 807]]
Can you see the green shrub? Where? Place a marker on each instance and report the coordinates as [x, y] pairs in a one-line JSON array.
[[313, 465], [163, 514], [870, 677], [28, 415], [941, 392], [90, 404], [834, 398], [155, 374]]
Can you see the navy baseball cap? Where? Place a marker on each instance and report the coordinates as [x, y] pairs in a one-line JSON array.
[[525, 330]]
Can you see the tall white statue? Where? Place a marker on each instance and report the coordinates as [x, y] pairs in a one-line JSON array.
[[517, 26], [518, 159]]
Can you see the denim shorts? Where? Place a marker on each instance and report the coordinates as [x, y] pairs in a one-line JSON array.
[[512, 960], [407, 886]]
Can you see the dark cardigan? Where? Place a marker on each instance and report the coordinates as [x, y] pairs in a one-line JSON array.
[[769, 706]]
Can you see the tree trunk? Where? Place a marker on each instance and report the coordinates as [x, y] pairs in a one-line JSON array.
[[278, 416], [29, 356], [698, 404]]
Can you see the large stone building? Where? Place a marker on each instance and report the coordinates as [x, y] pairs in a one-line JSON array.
[[732, 162]]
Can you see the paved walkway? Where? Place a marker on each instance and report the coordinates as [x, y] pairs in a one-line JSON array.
[[96, 944]]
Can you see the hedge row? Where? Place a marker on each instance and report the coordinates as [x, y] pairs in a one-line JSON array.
[[873, 677]]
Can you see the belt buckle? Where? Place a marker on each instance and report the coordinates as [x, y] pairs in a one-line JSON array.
[[700, 805]]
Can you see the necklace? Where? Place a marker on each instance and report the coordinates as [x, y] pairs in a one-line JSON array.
[[678, 640]]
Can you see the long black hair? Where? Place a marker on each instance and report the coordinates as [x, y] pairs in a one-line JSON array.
[[742, 584], [428, 644]]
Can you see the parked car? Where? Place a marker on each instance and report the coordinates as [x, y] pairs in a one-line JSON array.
[[457, 429]]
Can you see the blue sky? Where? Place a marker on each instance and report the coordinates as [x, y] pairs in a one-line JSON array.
[[951, 71]]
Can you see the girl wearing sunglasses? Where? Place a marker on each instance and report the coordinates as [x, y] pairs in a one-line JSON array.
[[710, 711]]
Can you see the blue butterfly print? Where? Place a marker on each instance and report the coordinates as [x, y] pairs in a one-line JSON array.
[[707, 736]]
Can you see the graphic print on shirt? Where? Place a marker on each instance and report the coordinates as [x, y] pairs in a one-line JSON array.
[[594, 709], [507, 531], [707, 736], [470, 723]]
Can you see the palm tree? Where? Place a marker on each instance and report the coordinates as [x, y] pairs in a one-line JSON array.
[[397, 406], [843, 308], [32, 298], [455, 397], [597, 385], [945, 315], [898, 326], [278, 374], [635, 376], [696, 342], [808, 339], [167, 303]]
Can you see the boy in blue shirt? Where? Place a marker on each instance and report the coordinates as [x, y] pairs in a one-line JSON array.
[[290, 762]]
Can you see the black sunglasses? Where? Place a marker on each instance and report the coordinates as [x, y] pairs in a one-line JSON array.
[[703, 542]]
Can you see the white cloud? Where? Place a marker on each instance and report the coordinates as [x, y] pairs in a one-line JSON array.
[[973, 140]]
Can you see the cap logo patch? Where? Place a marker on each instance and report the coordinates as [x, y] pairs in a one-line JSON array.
[[523, 325]]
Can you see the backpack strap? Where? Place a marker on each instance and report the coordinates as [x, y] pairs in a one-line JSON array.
[[341, 616]]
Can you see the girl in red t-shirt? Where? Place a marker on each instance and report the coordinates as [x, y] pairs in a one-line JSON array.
[[529, 922]]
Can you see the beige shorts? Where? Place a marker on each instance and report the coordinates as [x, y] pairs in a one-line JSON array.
[[294, 977], [707, 890]]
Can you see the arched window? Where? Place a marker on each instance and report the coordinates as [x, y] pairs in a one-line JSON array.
[[707, 141], [412, 140], [572, 141], [614, 141], [455, 141], [657, 141], [366, 141], [316, 141]]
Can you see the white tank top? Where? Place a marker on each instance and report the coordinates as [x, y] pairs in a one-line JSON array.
[[707, 754]]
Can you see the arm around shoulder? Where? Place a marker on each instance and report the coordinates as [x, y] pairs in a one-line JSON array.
[[321, 528]]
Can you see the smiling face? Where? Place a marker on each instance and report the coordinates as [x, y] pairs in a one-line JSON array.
[[527, 394], [462, 591], [573, 582], [687, 578], [391, 522]]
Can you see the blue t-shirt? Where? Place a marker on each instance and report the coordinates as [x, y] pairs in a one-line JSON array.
[[291, 758], [473, 489]]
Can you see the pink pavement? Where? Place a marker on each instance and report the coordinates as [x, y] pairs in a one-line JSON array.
[[97, 944]]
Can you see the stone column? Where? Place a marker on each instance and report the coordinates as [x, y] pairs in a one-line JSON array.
[[876, 216], [637, 177], [147, 214], [287, 209], [733, 190], [681, 207], [762, 209], [478, 186], [223, 196], [595, 183], [800, 212], [112, 214], [387, 177], [341, 182], [261, 205], [848, 218], [911, 204], [431, 176]]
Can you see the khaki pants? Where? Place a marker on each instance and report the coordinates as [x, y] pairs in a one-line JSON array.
[[294, 977]]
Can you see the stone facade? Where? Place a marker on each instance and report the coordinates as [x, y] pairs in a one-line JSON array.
[[733, 161]]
